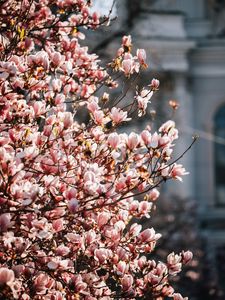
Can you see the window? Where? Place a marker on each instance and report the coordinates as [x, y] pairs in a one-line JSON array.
[[220, 155]]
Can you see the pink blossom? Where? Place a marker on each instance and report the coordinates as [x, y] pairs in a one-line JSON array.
[[73, 205], [53, 265], [165, 171], [89, 176], [42, 282], [76, 239], [95, 17], [113, 234], [120, 225], [114, 140], [79, 285], [29, 44], [167, 291], [164, 141], [57, 59], [134, 205], [40, 59], [186, 256], [143, 100], [62, 250], [154, 140], [59, 99], [146, 137], [177, 171], [58, 225], [126, 41], [135, 229], [39, 108], [67, 119], [133, 141], [90, 237], [142, 262], [154, 84], [56, 85], [7, 69], [120, 184], [145, 208], [103, 218], [98, 117], [5, 222], [101, 255], [166, 127], [153, 195], [127, 66], [127, 282], [148, 235], [93, 106], [7, 276], [174, 263], [118, 115], [121, 267], [141, 54], [71, 193], [18, 83]]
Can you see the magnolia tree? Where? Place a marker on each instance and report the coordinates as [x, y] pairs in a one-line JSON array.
[[68, 191]]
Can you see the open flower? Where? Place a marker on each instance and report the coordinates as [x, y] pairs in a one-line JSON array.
[[177, 171], [118, 115], [7, 276]]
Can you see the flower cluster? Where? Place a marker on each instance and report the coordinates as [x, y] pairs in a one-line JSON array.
[[69, 191]]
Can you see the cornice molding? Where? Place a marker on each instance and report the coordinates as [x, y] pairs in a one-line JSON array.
[[208, 59]]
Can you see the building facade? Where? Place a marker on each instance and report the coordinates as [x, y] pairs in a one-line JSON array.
[[185, 43]]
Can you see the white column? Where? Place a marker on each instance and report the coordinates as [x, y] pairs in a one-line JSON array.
[[184, 123]]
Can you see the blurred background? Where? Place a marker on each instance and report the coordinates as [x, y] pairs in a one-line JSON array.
[[185, 45]]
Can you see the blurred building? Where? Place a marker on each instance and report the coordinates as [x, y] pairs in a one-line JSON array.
[[185, 43]]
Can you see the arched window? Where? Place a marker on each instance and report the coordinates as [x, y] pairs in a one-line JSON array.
[[220, 155]]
